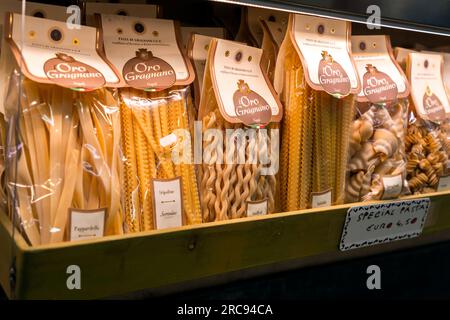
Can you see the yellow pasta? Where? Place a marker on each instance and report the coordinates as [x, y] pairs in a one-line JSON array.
[[159, 116], [69, 160]]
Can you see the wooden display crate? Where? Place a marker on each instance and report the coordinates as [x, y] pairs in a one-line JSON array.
[[192, 256]]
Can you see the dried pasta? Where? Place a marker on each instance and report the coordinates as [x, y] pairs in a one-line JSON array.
[[149, 119], [69, 159]]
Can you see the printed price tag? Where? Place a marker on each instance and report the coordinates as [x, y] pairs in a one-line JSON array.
[[86, 224], [257, 208], [392, 186], [168, 204], [384, 222], [321, 199], [444, 183]]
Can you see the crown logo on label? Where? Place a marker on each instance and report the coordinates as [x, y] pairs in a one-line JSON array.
[[66, 71], [147, 72], [332, 77], [433, 106], [377, 86], [250, 107]]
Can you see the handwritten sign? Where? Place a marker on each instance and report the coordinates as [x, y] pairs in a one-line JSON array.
[[385, 222]]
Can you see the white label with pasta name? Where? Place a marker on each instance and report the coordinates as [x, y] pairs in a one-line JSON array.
[[87, 224], [168, 203], [444, 183], [256, 208], [392, 186], [321, 199]]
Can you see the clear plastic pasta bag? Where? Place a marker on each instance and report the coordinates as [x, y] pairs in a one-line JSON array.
[[318, 112], [159, 179], [426, 141], [377, 159], [238, 175], [62, 160], [427, 155]]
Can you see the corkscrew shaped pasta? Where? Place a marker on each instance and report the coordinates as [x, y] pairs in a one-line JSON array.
[[427, 159]]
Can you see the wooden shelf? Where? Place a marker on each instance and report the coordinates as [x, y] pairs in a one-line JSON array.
[[171, 258]]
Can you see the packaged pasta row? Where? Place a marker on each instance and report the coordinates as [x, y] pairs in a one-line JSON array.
[[427, 139], [63, 134], [377, 163], [240, 112], [317, 81], [159, 179]]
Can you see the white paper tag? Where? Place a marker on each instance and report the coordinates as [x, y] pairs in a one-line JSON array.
[[257, 208], [444, 183], [168, 140], [168, 203], [233, 64], [321, 199], [392, 186], [86, 224], [384, 222], [123, 9], [427, 86], [326, 56]]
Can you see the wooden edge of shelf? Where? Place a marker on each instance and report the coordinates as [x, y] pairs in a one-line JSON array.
[[22, 244], [118, 264]]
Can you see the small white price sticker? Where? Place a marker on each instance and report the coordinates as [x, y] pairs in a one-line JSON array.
[[86, 224], [321, 199], [444, 183], [257, 208], [384, 222]]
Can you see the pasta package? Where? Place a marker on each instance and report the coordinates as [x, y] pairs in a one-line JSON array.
[[377, 159], [317, 81], [159, 178], [63, 132], [187, 34], [426, 141], [47, 11], [240, 112], [197, 51], [135, 9], [250, 30], [273, 35]]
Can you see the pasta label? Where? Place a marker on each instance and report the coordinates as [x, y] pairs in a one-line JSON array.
[[250, 107], [145, 53], [333, 77], [392, 186], [168, 203], [444, 183], [321, 199], [147, 72], [86, 224], [378, 86], [200, 34], [255, 102], [276, 30], [257, 208], [325, 51], [383, 80], [433, 106], [253, 17], [47, 11], [67, 72], [49, 52], [427, 86], [122, 9]]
